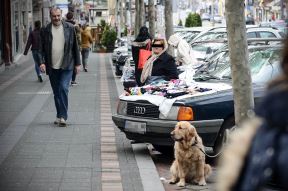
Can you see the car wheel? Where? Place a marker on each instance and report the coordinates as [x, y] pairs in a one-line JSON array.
[[166, 150], [222, 134]]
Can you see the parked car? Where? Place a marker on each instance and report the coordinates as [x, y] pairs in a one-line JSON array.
[[279, 24], [252, 32], [190, 33], [203, 49], [121, 62], [211, 112], [118, 52], [205, 17], [217, 18]]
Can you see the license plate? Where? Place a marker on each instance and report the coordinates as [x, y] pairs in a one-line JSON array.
[[135, 127]]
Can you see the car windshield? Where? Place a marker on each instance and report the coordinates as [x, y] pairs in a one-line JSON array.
[[264, 65], [212, 36], [203, 47]]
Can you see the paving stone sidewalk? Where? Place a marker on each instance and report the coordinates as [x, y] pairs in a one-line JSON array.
[[90, 154]]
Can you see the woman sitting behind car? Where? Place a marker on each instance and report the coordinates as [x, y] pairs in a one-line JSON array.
[[160, 64]]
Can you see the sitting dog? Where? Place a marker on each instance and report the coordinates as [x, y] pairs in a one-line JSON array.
[[189, 164]]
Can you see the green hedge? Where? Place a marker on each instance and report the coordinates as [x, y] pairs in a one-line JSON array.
[[193, 20]]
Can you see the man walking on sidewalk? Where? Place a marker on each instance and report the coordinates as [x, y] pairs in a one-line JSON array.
[[34, 41], [60, 54]]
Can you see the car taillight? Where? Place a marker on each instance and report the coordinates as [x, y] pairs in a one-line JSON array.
[[185, 114]]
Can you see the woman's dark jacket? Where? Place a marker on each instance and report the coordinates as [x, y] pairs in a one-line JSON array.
[[136, 46], [71, 50], [269, 151], [165, 66], [34, 40]]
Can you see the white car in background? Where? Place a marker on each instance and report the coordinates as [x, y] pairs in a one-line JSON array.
[[217, 18], [253, 31], [118, 52]]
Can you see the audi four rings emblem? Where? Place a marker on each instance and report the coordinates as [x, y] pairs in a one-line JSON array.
[[139, 110]]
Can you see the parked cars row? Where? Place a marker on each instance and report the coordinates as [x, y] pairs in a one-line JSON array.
[[208, 105]]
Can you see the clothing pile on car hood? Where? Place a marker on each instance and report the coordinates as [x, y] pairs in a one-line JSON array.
[[165, 93]]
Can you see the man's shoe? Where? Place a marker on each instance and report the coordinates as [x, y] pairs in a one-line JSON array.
[[57, 121], [40, 78], [62, 122], [86, 70], [73, 83]]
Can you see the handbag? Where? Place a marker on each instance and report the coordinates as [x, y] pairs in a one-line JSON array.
[[144, 54]]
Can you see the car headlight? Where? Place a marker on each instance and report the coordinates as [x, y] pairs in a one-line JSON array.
[[179, 113], [122, 108], [185, 114], [172, 115]]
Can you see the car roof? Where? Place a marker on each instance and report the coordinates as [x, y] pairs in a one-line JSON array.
[[249, 28], [192, 29]]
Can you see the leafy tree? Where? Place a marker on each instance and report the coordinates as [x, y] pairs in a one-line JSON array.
[[109, 37], [188, 21]]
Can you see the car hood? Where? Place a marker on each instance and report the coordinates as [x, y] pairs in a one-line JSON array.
[[196, 89]]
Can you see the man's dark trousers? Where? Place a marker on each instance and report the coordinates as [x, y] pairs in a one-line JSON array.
[[60, 81]]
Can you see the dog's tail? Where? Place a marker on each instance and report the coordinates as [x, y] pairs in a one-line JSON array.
[[207, 170]]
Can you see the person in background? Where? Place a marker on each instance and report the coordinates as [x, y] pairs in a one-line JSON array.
[[258, 153], [70, 19], [85, 45], [160, 64], [60, 56], [34, 41], [184, 51], [142, 41]]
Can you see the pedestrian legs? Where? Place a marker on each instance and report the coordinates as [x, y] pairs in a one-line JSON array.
[[85, 55], [36, 57], [60, 80]]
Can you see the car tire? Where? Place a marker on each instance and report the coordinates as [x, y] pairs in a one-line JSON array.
[[221, 138], [165, 150]]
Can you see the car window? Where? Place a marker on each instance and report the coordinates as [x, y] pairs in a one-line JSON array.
[[265, 34], [212, 35], [263, 62], [282, 34], [251, 35]]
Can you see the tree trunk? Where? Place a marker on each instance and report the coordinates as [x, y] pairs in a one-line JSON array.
[[241, 76], [121, 16], [168, 21], [137, 16], [141, 13], [151, 18]]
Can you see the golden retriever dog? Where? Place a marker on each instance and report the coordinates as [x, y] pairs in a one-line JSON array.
[[189, 164]]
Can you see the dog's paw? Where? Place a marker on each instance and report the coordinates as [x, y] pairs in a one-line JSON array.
[[181, 184], [172, 181], [202, 183]]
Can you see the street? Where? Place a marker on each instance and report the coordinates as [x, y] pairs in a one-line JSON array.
[[90, 154]]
